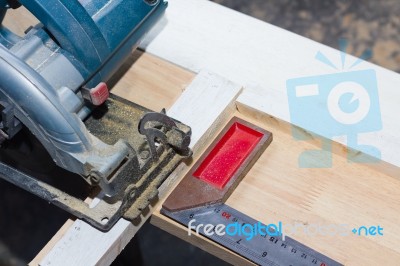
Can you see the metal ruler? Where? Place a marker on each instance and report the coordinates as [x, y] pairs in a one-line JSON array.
[[260, 249]]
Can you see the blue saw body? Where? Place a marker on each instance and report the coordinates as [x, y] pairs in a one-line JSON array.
[[43, 75], [52, 78]]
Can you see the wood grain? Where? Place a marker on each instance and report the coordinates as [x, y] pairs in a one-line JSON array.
[[148, 81], [201, 34], [19, 20], [276, 189]]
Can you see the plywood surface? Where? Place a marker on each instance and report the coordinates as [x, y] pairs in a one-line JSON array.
[[276, 189], [148, 81]]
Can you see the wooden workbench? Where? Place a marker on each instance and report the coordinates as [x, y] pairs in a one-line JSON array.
[[253, 87]]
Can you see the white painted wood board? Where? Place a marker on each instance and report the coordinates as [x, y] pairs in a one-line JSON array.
[[198, 34]]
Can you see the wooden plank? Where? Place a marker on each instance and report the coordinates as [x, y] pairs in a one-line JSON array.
[[276, 189], [82, 244], [148, 81], [190, 38], [53, 241], [201, 34], [19, 20]]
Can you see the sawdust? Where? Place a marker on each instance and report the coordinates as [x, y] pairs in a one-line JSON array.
[[117, 119]]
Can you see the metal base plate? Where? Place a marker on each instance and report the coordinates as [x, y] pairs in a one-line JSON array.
[[116, 119]]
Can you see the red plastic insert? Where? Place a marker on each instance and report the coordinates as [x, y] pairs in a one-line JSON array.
[[99, 94], [228, 155]]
